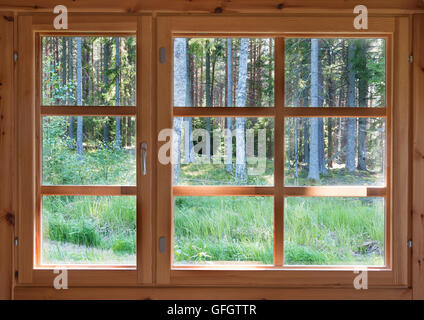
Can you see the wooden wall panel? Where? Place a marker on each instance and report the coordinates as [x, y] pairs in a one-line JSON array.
[[211, 6], [186, 293], [6, 154], [418, 162]]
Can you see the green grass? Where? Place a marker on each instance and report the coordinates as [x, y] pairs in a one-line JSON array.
[[102, 230], [216, 174], [334, 231], [223, 229]]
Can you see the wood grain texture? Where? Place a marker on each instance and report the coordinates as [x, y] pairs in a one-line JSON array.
[[418, 162], [26, 149], [7, 175], [164, 276], [398, 163], [210, 6], [186, 293]]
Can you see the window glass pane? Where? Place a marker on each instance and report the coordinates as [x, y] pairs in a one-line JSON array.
[[89, 150], [210, 154], [211, 72], [88, 230], [83, 71], [334, 231], [335, 72], [223, 230], [335, 151]]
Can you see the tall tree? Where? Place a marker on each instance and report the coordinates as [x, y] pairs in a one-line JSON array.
[[321, 136], [69, 96], [106, 84], [79, 96], [229, 135], [314, 125], [362, 97], [351, 102], [118, 140], [180, 92], [241, 174], [188, 121], [208, 85]]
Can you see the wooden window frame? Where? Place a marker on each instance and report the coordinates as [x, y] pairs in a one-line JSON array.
[[396, 32], [30, 111], [156, 267]]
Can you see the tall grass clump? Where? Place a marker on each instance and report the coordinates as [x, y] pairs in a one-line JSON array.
[[223, 229], [334, 231], [89, 222]]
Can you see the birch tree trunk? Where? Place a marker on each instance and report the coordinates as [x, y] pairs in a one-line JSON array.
[[79, 96], [188, 122], [241, 175], [314, 126], [180, 92], [70, 80]]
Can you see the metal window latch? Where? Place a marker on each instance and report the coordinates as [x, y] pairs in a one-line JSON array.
[[162, 245], [143, 150], [16, 241], [409, 243], [15, 56], [411, 59], [162, 55]]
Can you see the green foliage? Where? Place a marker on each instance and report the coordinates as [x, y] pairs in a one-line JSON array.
[[100, 164]]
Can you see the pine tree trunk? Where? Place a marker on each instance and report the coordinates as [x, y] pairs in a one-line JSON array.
[[229, 134], [362, 92], [106, 62], [118, 140]]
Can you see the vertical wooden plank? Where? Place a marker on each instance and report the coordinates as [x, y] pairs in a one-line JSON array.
[[38, 146], [418, 161], [7, 209], [279, 152], [145, 133], [164, 172], [401, 150], [26, 149]]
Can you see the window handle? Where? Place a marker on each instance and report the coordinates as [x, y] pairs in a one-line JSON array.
[[143, 150]]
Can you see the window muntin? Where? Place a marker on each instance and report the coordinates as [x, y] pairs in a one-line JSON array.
[[107, 63], [339, 188], [87, 218]]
